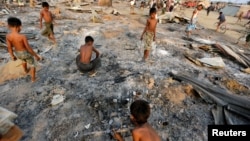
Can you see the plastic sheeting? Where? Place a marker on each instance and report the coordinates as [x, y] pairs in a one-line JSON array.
[[230, 10], [230, 109]]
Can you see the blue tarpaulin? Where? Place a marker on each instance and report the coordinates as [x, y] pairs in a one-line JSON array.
[[230, 10]]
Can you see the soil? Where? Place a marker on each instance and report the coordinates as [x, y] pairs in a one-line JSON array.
[[95, 105]]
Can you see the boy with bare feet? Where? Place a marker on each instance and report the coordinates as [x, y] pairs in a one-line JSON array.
[[193, 21], [149, 32], [221, 19], [140, 112], [46, 15], [83, 61], [22, 49]]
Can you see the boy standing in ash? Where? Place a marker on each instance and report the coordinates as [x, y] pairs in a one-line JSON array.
[[140, 112], [22, 49], [46, 15], [148, 34]]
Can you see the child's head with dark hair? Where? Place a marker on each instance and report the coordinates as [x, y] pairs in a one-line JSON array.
[[89, 39], [152, 11], [221, 13], [140, 111], [200, 7], [14, 22], [45, 4]]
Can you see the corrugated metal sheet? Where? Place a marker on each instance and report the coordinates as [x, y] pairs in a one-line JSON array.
[[230, 10]]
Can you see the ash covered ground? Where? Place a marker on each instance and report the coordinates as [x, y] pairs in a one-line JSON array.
[[95, 105]]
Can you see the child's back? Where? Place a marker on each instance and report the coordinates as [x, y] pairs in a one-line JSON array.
[[145, 133], [17, 40]]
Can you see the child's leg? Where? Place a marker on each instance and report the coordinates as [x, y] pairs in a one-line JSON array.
[[24, 64], [52, 37], [146, 54], [188, 33], [217, 27], [33, 74]]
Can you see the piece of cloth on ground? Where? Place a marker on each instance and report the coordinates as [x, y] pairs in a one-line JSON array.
[[148, 40], [25, 56], [94, 64], [49, 29]]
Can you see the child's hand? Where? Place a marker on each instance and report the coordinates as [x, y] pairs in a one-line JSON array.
[[13, 58], [54, 22], [117, 136], [38, 58]]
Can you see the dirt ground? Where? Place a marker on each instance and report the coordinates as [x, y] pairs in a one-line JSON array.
[[235, 30], [95, 105]]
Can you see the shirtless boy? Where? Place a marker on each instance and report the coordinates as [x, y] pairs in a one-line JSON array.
[[46, 15], [22, 49], [148, 34], [140, 112], [83, 61], [240, 17]]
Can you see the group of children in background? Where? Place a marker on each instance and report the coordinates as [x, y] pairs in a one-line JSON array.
[[140, 110]]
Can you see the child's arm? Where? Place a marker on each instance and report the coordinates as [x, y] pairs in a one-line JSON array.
[[41, 19], [29, 49], [96, 51], [118, 136], [53, 19], [9, 46], [155, 31], [145, 29], [193, 16]]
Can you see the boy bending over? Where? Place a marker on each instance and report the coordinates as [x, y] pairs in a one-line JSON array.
[[140, 112], [83, 61], [22, 49], [149, 32]]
